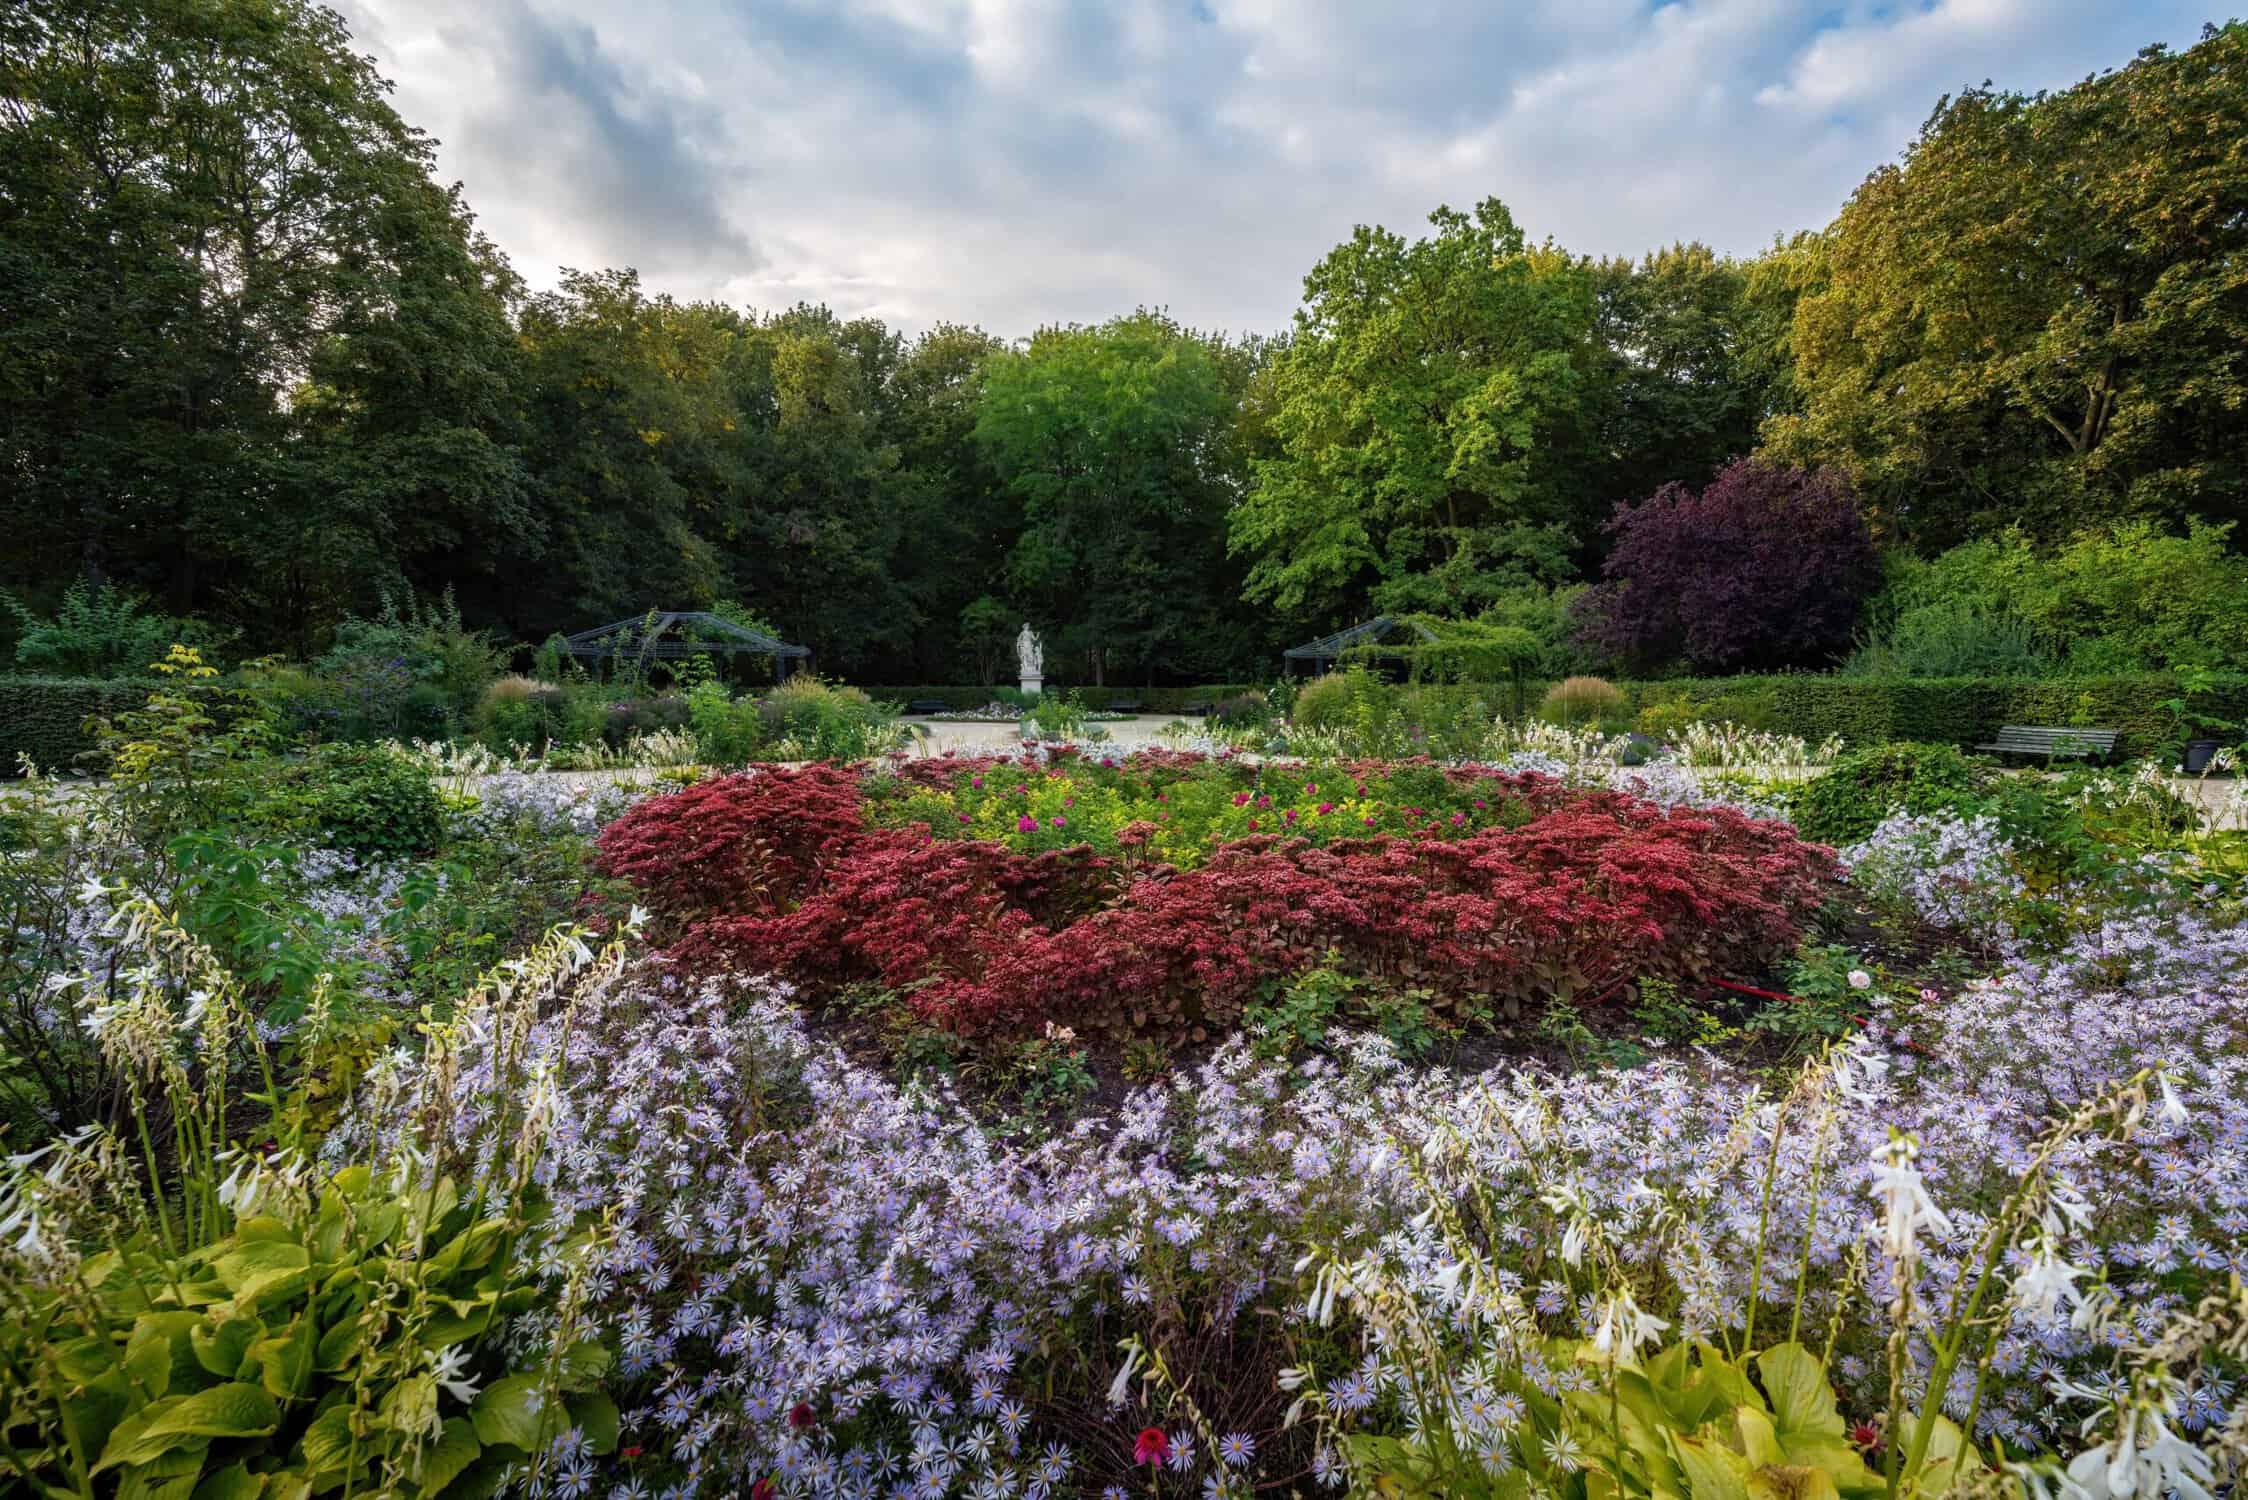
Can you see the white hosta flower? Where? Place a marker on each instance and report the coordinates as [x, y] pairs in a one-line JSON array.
[[1623, 1328], [449, 1367], [2048, 1282], [1118, 1387], [1906, 1208], [2144, 1461], [2171, 1111]]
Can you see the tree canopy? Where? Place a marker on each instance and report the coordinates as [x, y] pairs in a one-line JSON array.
[[259, 367]]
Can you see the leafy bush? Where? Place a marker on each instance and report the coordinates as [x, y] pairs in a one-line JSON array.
[[1845, 803], [527, 715], [410, 671], [729, 731], [1243, 710], [2130, 598], [1953, 638], [367, 799], [1581, 700], [1958, 710], [97, 631], [1765, 567], [1324, 702], [333, 1340], [807, 719], [1526, 895], [736, 843], [44, 719]]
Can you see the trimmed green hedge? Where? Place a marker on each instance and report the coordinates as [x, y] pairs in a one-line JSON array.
[[45, 717], [1162, 700], [1949, 710]]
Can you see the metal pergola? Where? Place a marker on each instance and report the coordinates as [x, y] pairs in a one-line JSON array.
[[675, 634], [1330, 649]]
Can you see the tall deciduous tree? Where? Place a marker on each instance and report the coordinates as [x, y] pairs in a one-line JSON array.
[[1116, 441], [1424, 413], [2042, 313], [220, 247]]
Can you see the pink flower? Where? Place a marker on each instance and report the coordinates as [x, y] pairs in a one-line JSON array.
[[1059, 820], [1369, 820], [1252, 825], [963, 817], [977, 783], [1458, 818], [1311, 789], [1240, 799], [1026, 824], [1326, 808], [1289, 815], [1152, 1448]]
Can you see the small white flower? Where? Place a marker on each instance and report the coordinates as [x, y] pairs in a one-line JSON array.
[[448, 1367], [2171, 1111], [2048, 1282], [1860, 980], [1118, 1387]]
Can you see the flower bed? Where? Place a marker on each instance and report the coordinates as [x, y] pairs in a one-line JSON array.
[[1161, 893]]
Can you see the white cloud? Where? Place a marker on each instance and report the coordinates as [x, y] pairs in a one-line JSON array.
[[1015, 162]]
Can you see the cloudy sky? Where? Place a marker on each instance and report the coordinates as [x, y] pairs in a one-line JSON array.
[[1018, 162]]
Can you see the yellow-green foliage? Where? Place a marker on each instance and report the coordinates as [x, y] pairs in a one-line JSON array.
[[1577, 700]]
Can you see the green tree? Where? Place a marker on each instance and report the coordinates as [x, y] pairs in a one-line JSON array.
[[1424, 413], [2042, 314], [220, 246], [1116, 441], [1678, 387]]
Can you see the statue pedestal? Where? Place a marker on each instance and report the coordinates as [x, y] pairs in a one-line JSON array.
[[1033, 686]]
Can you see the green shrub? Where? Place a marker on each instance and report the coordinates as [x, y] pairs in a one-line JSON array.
[[1849, 801], [622, 720], [2128, 598], [1955, 710], [729, 731], [367, 799], [1953, 638], [1324, 702], [1582, 700], [1242, 710], [410, 671], [45, 718], [97, 631], [824, 721]]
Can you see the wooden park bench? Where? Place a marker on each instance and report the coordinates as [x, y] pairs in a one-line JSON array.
[[928, 706], [2053, 742], [1123, 706]]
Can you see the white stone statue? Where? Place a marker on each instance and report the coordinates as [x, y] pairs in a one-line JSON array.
[[1032, 659]]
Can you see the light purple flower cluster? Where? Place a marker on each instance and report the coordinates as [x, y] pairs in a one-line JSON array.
[[937, 1306], [1956, 872]]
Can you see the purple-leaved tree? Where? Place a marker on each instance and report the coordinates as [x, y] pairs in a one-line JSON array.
[[1766, 567]]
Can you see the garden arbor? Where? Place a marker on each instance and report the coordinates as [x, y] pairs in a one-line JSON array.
[[1432, 649], [1356, 643], [675, 635]]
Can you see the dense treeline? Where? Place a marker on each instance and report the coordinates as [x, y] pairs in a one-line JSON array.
[[256, 364]]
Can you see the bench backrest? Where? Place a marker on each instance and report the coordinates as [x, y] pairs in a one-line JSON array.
[[2036, 739]]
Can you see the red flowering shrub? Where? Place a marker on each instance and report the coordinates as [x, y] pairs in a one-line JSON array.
[[1569, 907], [737, 843], [780, 872]]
